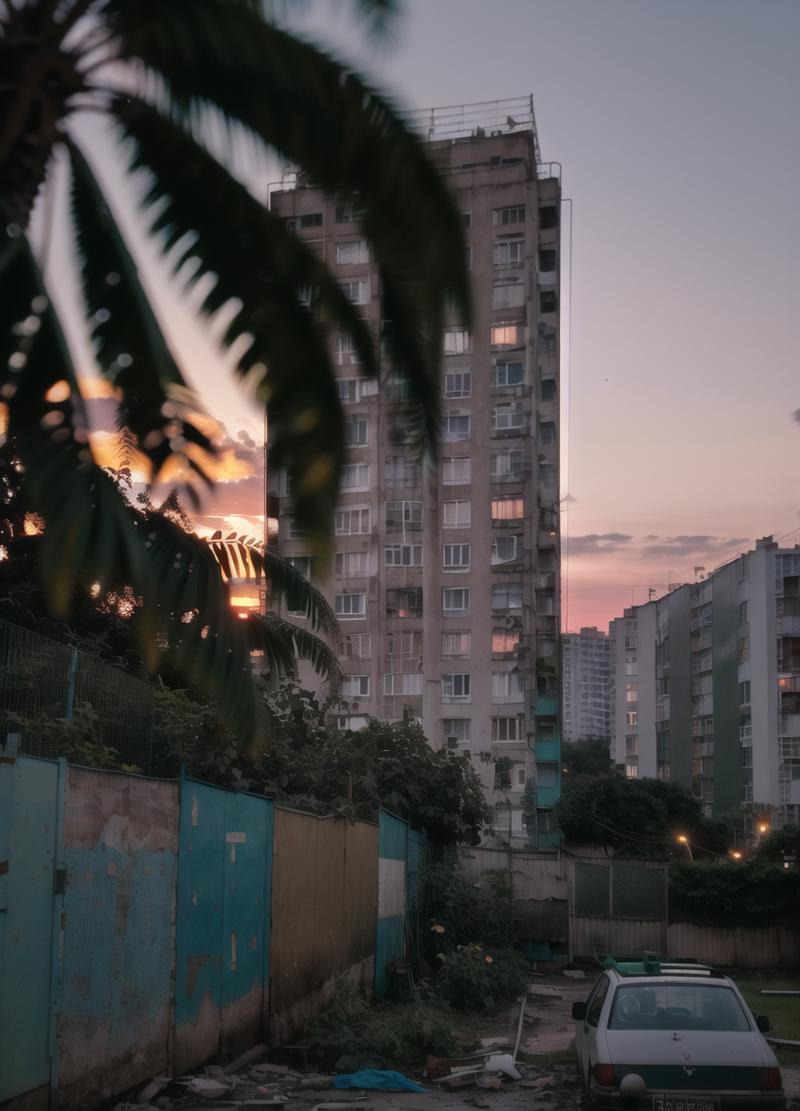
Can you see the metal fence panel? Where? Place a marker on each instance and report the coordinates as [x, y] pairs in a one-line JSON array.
[[638, 891], [120, 853], [392, 862], [591, 892], [29, 791]]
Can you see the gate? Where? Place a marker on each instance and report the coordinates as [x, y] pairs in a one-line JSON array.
[[618, 907]]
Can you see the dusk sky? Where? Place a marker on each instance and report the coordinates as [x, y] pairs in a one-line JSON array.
[[677, 126]]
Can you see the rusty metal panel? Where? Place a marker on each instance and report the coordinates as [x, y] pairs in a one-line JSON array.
[[120, 854], [360, 890], [329, 909], [293, 907], [28, 843]]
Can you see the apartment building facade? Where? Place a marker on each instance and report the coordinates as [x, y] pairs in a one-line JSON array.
[[585, 685], [706, 685], [446, 580]]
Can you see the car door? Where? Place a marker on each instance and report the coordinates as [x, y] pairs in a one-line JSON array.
[[586, 1031]]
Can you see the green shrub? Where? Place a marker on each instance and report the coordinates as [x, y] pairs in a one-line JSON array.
[[350, 1034], [460, 913], [473, 978]]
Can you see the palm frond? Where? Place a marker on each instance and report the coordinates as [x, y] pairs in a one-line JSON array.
[[346, 137], [242, 557], [129, 343], [254, 260], [283, 643]]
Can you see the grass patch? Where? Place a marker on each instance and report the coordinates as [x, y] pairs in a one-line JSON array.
[[783, 1010], [547, 1060]]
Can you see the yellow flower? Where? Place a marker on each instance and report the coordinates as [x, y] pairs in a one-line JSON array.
[[488, 959], [437, 929]]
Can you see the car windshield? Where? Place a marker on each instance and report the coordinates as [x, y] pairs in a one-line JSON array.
[[676, 1007]]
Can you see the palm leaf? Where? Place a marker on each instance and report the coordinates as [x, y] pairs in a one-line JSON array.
[[129, 344], [283, 643], [254, 260], [319, 115]]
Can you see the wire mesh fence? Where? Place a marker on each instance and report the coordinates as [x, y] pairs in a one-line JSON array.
[[44, 680]]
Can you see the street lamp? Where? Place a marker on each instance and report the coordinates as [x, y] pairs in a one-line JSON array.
[[682, 839], [735, 854], [763, 827]]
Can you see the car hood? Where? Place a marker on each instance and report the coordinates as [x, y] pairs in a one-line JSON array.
[[693, 1047]]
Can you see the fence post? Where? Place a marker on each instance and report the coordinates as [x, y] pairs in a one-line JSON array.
[[72, 675]]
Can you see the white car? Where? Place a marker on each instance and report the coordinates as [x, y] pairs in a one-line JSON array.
[[673, 1037]]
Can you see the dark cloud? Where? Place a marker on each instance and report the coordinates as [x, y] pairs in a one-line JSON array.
[[692, 546], [595, 542]]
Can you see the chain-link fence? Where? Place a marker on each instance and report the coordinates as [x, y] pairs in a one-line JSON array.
[[43, 679]]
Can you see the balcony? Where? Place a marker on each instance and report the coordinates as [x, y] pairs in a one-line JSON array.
[[546, 705], [549, 751], [547, 797]]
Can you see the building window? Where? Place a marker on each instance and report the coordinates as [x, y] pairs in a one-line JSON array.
[[349, 212], [504, 641], [457, 341], [351, 522], [404, 642], [547, 433], [547, 260], [456, 472], [509, 252], [455, 557], [548, 301], [632, 744], [456, 514], [547, 389], [399, 470], [301, 563], [744, 613], [400, 684], [506, 375], [351, 565], [506, 597], [456, 644], [357, 646], [296, 531], [632, 771], [403, 555], [508, 417], [508, 509], [355, 686], [631, 692], [404, 602], [466, 219], [506, 686], [355, 476], [507, 729], [548, 217], [458, 384], [350, 605], [632, 717], [455, 688], [508, 295], [631, 666], [456, 426], [456, 730], [355, 291], [743, 646], [455, 599], [346, 352], [355, 431], [507, 335], [506, 465], [352, 253], [506, 549], [514, 214], [403, 516], [306, 220]]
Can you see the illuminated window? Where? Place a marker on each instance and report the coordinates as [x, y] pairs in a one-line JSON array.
[[505, 641], [507, 335], [508, 509], [404, 602]]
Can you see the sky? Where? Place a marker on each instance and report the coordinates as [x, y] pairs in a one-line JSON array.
[[677, 127]]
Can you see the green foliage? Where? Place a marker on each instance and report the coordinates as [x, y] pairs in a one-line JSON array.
[[477, 978], [588, 757], [461, 912], [79, 739], [350, 1034], [318, 767], [780, 843], [635, 817], [749, 894]]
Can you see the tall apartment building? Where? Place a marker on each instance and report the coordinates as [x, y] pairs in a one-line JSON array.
[[706, 685], [446, 581], [585, 685]]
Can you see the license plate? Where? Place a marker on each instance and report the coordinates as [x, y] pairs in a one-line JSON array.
[[683, 1103]]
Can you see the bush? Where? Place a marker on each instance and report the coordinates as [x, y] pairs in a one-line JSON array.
[[472, 978], [751, 894], [461, 913], [350, 1034]]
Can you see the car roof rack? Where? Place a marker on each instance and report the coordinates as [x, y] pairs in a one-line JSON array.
[[651, 964]]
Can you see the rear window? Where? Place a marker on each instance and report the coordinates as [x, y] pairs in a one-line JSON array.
[[676, 1007]]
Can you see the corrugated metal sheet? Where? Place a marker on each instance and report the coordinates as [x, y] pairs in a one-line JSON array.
[[541, 888], [120, 853], [324, 898], [764, 947], [390, 934], [28, 842], [223, 922], [592, 936]]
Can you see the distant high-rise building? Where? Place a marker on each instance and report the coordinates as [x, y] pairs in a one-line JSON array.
[[706, 685], [585, 685], [446, 581]]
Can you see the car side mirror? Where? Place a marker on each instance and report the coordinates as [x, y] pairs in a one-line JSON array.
[[762, 1022], [579, 1012]]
